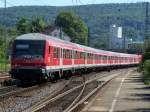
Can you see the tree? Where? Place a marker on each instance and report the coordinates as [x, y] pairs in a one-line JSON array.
[[73, 26], [37, 25], [23, 26]]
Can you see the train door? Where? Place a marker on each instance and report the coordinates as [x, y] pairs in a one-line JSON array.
[[49, 55], [86, 58], [61, 57], [73, 57], [56, 52]]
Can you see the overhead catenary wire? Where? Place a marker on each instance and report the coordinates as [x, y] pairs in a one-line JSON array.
[[8, 3]]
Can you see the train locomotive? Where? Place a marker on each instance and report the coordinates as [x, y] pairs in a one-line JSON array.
[[39, 57]]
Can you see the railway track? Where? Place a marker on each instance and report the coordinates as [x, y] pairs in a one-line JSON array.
[[6, 90], [18, 99], [9, 91], [86, 96], [28, 99], [77, 93]]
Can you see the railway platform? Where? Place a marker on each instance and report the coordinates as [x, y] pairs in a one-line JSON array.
[[126, 93]]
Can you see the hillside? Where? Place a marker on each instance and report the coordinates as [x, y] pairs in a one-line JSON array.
[[97, 17]]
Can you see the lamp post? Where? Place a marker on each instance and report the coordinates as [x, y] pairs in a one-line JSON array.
[[146, 25], [5, 36]]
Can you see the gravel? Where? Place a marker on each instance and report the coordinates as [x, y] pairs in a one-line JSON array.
[[25, 100]]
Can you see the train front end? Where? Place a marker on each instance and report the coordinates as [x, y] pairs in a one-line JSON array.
[[28, 60]]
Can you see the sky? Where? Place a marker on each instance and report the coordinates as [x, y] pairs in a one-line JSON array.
[[11, 3]]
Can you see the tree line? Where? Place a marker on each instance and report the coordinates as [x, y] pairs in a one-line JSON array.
[[98, 17], [70, 23]]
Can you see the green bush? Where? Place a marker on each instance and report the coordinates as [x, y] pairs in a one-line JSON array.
[[4, 65], [146, 56], [147, 71]]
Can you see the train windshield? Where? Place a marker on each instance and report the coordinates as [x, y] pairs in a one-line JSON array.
[[29, 49]]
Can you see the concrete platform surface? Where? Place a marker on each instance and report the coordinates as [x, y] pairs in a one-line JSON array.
[[126, 93]]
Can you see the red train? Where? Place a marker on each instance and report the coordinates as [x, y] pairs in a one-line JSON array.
[[38, 57]]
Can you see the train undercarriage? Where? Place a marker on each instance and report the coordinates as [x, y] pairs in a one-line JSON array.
[[41, 75]]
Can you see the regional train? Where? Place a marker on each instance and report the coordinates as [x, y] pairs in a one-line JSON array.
[[39, 57]]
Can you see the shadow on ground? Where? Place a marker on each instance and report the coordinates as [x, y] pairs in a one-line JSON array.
[[139, 93], [139, 110]]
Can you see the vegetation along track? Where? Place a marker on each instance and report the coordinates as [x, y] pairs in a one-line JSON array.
[[66, 100]]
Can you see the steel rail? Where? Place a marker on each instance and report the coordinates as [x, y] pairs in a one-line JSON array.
[[49, 100], [16, 91], [77, 98], [38, 105], [91, 93], [6, 89]]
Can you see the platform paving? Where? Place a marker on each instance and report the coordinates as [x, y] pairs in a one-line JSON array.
[[126, 93]]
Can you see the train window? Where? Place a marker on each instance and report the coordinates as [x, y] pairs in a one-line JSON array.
[[88, 56], [109, 57], [76, 54], [112, 57], [116, 58], [96, 57], [92, 56], [49, 50], [70, 54], [104, 57], [82, 55], [55, 52], [64, 53], [100, 57], [61, 55], [67, 54]]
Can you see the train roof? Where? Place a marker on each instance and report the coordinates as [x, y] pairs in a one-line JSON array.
[[69, 45]]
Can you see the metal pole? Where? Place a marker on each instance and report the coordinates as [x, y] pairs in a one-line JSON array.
[[88, 38], [5, 36], [124, 43], [146, 25]]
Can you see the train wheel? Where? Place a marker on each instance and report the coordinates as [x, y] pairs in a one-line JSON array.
[[67, 74], [52, 77], [43, 79]]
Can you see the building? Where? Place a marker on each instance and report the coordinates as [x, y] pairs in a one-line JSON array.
[[56, 32], [115, 39], [136, 45]]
